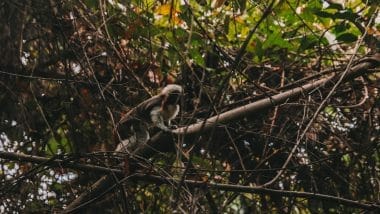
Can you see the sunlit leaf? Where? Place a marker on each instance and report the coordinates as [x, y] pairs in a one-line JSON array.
[[333, 5], [346, 159], [166, 9], [197, 57], [329, 110]]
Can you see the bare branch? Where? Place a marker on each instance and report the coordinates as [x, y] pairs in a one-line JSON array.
[[277, 99], [198, 184], [56, 162]]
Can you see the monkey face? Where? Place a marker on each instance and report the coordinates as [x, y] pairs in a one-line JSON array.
[[172, 94]]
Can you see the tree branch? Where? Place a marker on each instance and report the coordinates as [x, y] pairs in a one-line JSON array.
[[54, 162], [278, 99]]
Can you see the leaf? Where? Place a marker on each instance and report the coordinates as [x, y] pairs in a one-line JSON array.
[[347, 37], [341, 27], [308, 42], [324, 14], [65, 145], [347, 15], [329, 110], [57, 187], [58, 144], [91, 3], [259, 49], [346, 159], [197, 57], [275, 39], [164, 9], [335, 6], [51, 147]]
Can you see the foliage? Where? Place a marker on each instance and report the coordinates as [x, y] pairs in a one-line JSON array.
[[70, 69]]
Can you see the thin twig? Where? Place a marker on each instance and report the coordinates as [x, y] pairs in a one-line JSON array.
[[199, 184]]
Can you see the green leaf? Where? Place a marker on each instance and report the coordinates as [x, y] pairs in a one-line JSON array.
[[347, 15], [58, 144], [330, 110], [308, 42], [51, 147], [57, 187], [341, 27], [335, 6], [346, 159], [275, 39], [93, 4], [197, 57], [259, 50], [65, 145], [324, 14], [347, 37]]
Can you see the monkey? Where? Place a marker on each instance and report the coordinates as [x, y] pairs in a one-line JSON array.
[[133, 130], [133, 127]]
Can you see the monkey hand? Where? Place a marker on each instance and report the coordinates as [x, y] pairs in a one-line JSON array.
[[163, 127], [173, 126]]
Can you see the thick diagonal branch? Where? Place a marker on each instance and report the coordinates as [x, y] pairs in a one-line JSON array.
[[278, 99]]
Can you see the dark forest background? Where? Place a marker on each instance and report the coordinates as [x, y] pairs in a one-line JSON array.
[[70, 69]]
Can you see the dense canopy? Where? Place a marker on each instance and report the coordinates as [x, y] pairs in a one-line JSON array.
[[280, 111]]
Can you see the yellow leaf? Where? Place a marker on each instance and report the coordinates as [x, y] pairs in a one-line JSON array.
[[165, 9], [176, 20], [239, 19]]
